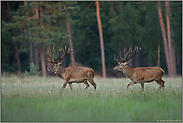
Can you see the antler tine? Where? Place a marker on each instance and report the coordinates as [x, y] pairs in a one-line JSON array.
[[120, 59], [120, 56], [117, 59], [137, 50], [127, 55], [65, 47], [125, 58], [58, 51], [124, 51], [52, 61], [53, 53], [69, 50], [65, 52]]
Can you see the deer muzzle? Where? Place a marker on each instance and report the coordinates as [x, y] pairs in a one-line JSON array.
[[118, 67], [115, 68], [48, 69]]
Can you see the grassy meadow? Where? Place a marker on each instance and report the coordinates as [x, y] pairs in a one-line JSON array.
[[41, 99]]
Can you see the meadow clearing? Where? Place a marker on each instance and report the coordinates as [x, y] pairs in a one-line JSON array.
[[41, 99]]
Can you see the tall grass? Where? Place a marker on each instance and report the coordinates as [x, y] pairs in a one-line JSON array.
[[41, 99]]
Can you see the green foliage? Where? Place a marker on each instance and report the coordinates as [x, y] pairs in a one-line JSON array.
[[34, 69], [8, 60], [125, 24], [26, 74], [39, 99], [5, 73]]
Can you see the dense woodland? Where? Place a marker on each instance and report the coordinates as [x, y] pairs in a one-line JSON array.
[[30, 29]]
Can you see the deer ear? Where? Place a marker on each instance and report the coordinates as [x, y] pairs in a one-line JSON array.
[[59, 63], [119, 62], [127, 61]]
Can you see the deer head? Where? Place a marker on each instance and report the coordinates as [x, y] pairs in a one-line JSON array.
[[55, 64], [127, 56]]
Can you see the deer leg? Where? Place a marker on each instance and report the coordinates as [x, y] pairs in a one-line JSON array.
[[86, 83], [142, 85], [161, 83], [158, 83], [93, 83], [64, 85], [131, 83], [70, 84]]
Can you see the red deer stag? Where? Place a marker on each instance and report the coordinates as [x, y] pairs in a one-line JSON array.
[[71, 74], [139, 74]]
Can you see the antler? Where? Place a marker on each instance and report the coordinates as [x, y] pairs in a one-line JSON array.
[[128, 55], [65, 52], [55, 53]]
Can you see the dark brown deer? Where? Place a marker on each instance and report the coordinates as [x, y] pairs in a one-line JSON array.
[[139, 74], [71, 74]]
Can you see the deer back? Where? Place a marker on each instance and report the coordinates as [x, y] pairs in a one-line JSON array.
[[148, 73], [78, 72]]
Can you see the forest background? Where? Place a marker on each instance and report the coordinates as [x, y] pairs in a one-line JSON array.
[[30, 29]]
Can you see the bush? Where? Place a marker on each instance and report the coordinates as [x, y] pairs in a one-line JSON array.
[[5, 73], [34, 69]]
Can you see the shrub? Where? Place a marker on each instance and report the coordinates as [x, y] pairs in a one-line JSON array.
[[34, 69]]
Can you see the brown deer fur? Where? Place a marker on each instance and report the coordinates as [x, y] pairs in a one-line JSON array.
[[72, 74], [140, 74]]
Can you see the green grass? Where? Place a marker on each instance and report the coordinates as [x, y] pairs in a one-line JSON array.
[[40, 99]]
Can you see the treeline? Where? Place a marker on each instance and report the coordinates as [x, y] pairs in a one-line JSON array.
[[30, 29]]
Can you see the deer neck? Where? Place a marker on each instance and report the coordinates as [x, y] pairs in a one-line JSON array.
[[60, 71], [128, 71]]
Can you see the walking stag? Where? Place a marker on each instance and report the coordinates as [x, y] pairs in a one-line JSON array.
[[71, 74], [139, 74]]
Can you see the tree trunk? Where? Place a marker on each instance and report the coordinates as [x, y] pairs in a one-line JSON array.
[[172, 60], [48, 49], [31, 53], [48, 46], [16, 51], [36, 45], [101, 40], [43, 62], [158, 54], [70, 44], [70, 40], [164, 38], [36, 55], [15, 43], [42, 50], [158, 62], [30, 43]]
